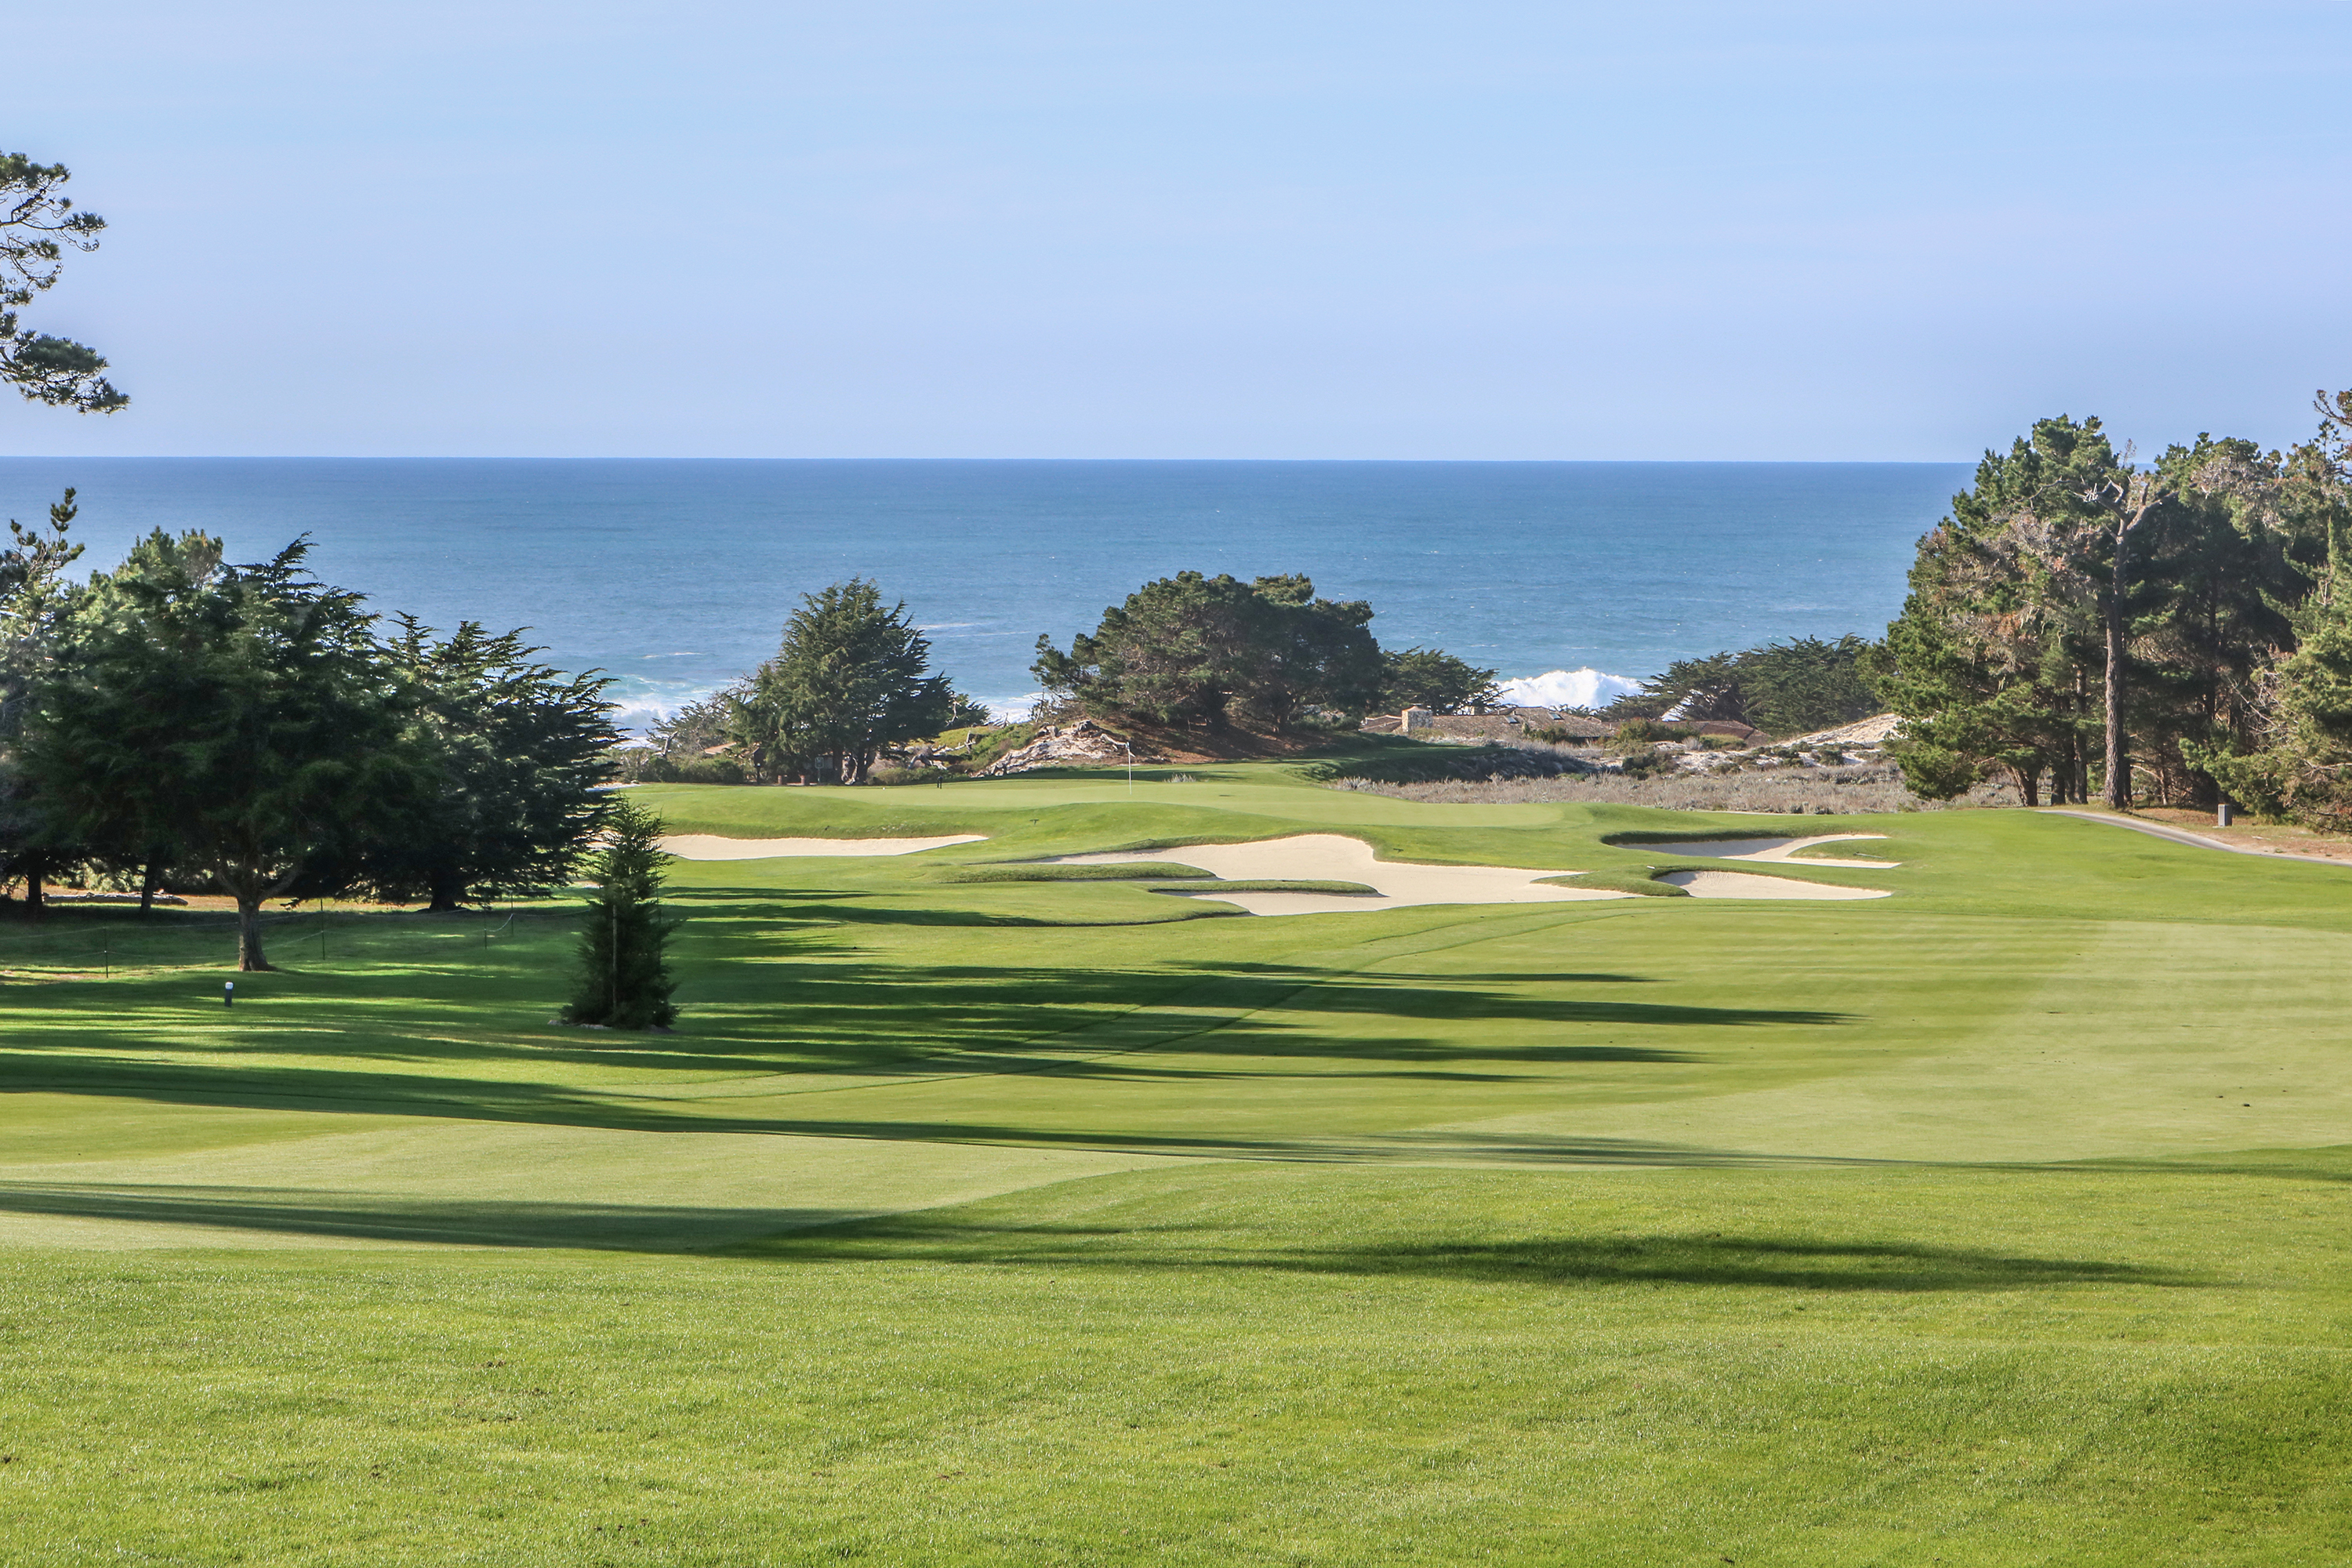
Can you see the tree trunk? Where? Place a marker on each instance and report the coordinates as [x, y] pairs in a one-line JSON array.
[[33, 903], [148, 878], [2028, 784], [2118, 792], [448, 892], [248, 935]]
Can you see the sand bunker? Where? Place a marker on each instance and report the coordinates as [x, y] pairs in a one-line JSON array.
[[1768, 849], [1745, 885], [1328, 858], [711, 846]]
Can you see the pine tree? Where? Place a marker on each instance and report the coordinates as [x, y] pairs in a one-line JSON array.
[[624, 981], [265, 730], [518, 749], [851, 678], [2302, 769], [37, 224]]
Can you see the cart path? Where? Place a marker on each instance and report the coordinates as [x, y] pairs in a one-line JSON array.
[[2197, 840]]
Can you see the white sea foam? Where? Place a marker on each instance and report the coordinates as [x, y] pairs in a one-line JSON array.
[[1568, 688], [638, 703], [1012, 709]]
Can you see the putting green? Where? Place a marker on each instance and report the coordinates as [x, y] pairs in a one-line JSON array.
[[1998, 1219]]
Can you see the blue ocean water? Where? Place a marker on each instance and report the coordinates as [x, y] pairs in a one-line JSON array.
[[677, 575]]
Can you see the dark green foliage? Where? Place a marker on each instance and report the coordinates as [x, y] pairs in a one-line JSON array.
[[851, 679], [1433, 678], [243, 715], [34, 603], [2293, 756], [518, 749], [37, 226], [658, 768], [2066, 574], [1995, 659], [1212, 652], [1936, 773], [624, 980], [1782, 688]]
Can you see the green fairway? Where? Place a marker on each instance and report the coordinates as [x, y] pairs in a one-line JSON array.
[[996, 1217]]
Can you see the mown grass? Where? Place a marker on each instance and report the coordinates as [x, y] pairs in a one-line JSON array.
[[2002, 1221]]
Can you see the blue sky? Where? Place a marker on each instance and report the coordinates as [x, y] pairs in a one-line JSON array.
[[1265, 230]]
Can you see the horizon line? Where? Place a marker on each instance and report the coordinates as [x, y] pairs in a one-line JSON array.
[[530, 458]]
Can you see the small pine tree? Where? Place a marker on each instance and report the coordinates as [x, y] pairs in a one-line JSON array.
[[624, 981]]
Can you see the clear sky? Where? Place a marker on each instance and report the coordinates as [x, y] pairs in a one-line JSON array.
[[1270, 229]]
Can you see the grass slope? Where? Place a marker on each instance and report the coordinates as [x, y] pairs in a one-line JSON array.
[[2002, 1221]]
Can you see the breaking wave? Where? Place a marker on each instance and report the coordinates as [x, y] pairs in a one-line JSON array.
[[1568, 688]]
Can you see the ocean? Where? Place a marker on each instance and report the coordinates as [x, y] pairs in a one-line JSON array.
[[675, 576]]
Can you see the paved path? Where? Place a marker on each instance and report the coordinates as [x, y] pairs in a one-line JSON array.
[[2182, 835]]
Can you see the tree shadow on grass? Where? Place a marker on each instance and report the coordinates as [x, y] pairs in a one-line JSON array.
[[1710, 1260], [837, 1235], [471, 1099], [847, 1016], [629, 1228]]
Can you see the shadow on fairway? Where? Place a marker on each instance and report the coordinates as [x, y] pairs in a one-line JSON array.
[[751, 1234], [860, 1019], [1715, 1259], [471, 1099], [372, 1216]]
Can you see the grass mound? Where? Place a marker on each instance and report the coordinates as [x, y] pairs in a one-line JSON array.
[[1270, 885], [1156, 871]]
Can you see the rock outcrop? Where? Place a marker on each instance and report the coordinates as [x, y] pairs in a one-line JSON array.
[[1083, 744]]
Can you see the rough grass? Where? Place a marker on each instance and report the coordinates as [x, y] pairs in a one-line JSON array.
[[1789, 790], [2002, 1221]]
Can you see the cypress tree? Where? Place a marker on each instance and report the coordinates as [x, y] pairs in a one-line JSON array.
[[624, 981]]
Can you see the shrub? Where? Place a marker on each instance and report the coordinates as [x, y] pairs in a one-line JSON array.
[[624, 980], [1935, 774], [659, 769]]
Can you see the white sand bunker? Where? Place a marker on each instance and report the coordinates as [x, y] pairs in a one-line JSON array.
[[1767, 850], [711, 846], [1747, 885], [1328, 858]]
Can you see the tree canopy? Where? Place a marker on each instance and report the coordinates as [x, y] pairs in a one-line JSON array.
[[1433, 678], [850, 678], [2085, 619], [1789, 688], [2289, 753], [518, 750], [243, 715], [39, 225], [622, 979], [1211, 652]]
